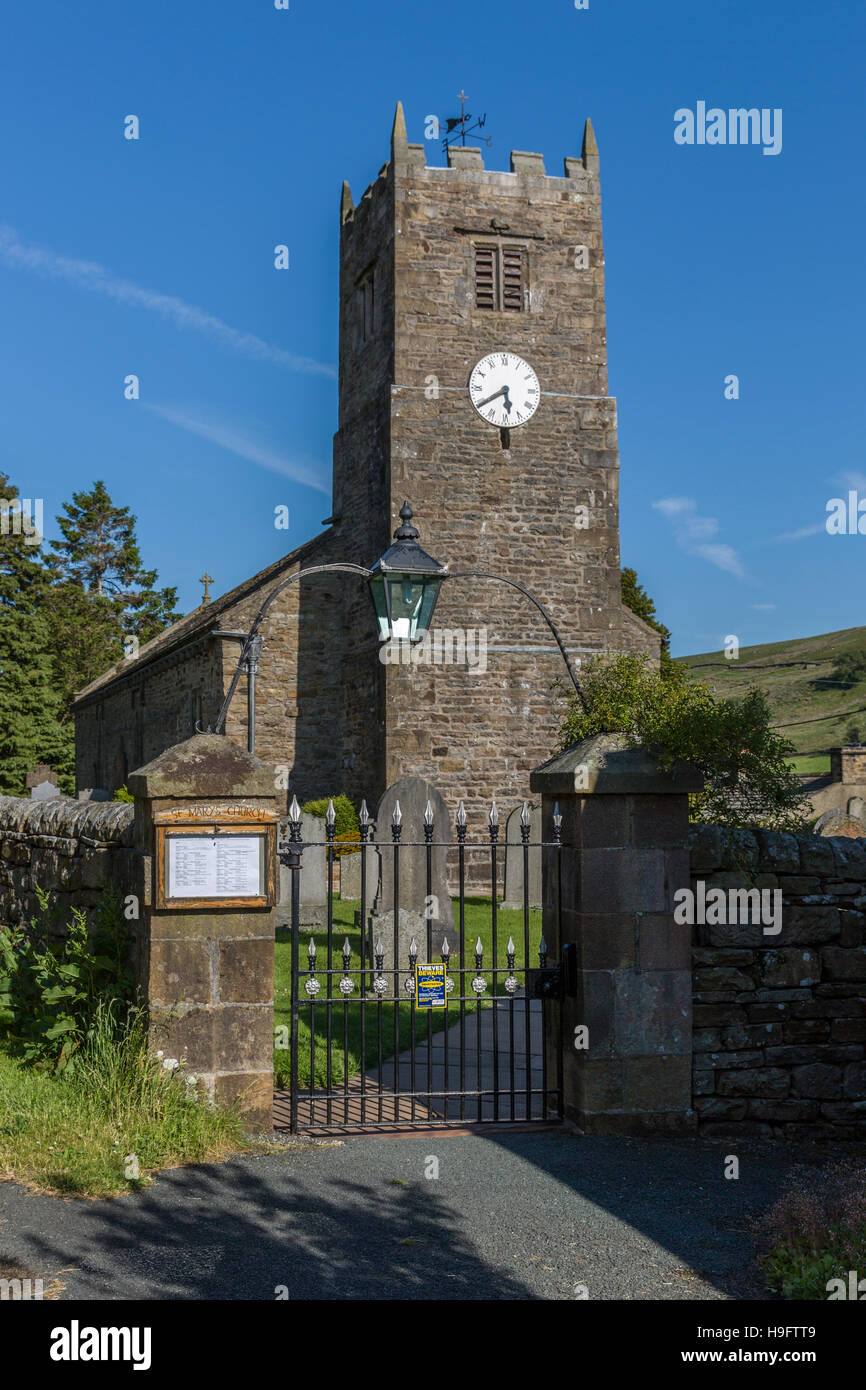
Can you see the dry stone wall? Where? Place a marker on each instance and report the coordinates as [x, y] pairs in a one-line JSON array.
[[72, 849], [780, 1020]]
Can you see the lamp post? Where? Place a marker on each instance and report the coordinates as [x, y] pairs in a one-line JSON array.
[[404, 586]]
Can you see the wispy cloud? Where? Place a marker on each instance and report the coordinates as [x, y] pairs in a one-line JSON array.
[[88, 275], [694, 534], [850, 480], [764, 607], [804, 531], [229, 438]]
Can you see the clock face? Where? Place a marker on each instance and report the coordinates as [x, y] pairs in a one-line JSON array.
[[504, 390]]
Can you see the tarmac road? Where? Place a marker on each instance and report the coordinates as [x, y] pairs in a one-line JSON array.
[[510, 1216]]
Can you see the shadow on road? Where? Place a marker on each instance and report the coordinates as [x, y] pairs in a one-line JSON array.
[[244, 1229]]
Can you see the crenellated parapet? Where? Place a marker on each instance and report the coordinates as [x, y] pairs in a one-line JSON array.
[[411, 159]]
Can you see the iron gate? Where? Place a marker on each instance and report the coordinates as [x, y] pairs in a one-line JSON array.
[[364, 1055]]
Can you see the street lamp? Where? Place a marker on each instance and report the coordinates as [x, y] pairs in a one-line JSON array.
[[404, 586]]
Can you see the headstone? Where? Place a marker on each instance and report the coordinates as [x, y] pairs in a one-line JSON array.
[[514, 858], [838, 822], [45, 791], [314, 875], [42, 776], [350, 874], [93, 794], [857, 808], [413, 794]]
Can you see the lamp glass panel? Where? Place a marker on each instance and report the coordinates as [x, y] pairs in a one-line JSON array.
[[428, 603], [407, 596], [377, 593]]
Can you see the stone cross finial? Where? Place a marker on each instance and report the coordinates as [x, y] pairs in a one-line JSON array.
[[206, 579]]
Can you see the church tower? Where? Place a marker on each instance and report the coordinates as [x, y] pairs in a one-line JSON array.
[[473, 382], [442, 269]]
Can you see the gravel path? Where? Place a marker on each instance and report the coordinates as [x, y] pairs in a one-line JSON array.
[[510, 1216]]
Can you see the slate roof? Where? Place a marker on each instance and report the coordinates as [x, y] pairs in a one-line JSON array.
[[196, 623]]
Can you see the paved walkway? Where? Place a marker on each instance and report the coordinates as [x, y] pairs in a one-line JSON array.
[[436, 1091], [479, 1060], [519, 1216]]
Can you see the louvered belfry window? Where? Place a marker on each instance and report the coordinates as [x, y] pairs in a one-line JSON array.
[[499, 278], [485, 277]]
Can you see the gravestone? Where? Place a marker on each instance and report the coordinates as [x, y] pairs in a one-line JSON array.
[[46, 791], [413, 794], [838, 822], [314, 875], [42, 783], [350, 874], [514, 858], [857, 808]]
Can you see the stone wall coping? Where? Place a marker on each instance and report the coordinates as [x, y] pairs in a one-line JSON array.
[[712, 845], [607, 764], [96, 822]]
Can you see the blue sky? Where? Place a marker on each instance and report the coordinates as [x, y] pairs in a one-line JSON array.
[[155, 257]]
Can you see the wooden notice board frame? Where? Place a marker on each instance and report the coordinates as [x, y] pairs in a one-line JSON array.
[[228, 822]]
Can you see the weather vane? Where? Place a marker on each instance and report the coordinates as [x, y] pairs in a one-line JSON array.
[[458, 125]]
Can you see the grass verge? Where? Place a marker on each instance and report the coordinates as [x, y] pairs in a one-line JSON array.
[[108, 1125]]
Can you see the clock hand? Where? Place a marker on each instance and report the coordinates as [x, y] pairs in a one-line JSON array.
[[507, 403], [503, 391]]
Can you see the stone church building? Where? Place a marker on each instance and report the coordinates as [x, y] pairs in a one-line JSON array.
[[438, 268]]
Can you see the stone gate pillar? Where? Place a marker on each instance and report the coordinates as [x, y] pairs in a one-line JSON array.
[[625, 853], [207, 962]]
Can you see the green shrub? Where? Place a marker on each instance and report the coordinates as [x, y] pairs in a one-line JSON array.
[[850, 669], [50, 993], [347, 817], [816, 1231], [123, 794], [744, 762]]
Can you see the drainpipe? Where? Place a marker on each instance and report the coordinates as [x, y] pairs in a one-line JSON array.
[[252, 667]]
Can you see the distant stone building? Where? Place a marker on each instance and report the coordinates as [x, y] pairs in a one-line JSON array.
[[844, 787], [439, 267]]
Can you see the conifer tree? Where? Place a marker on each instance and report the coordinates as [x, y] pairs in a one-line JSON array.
[[99, 553], [31, 703], [101, 595]]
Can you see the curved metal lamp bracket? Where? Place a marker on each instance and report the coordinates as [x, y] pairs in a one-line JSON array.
[[485, 574], [251, 648]]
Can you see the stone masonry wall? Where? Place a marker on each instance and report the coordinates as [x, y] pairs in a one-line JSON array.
[[848, 764], [71, 848], [780, 1021], [154, 706]]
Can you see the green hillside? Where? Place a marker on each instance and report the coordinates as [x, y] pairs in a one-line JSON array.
[[796, 678]]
